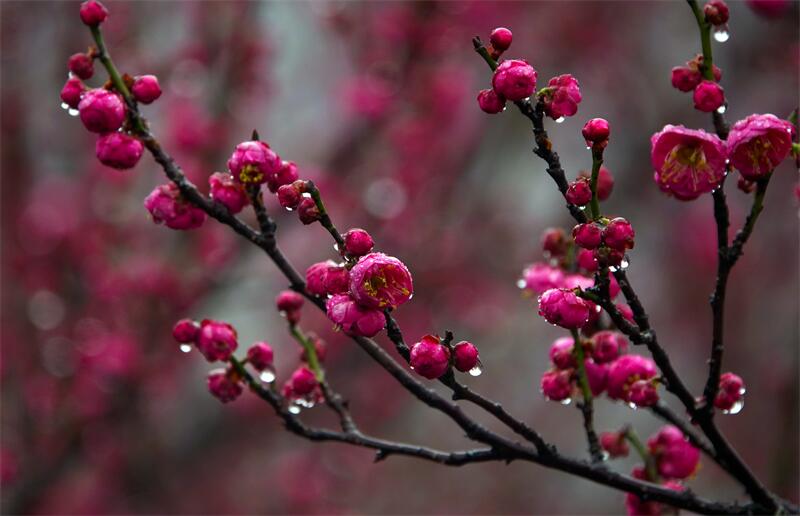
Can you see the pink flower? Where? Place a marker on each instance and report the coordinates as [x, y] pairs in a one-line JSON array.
[[224, 385], [93, 13], [286, 174], [101, 111], [228, 192], [562, 307], [289, 304], [697, 63], [166, 206], [758, 144], [716, 12], [619, 235], [687, 162], [597, 375], [146, 89], [572, 281], [626, 312], [253, 162], [354, 319], [490, 102], [500, 38], [579, 192], [357, 242], [429, 358], [635, 506], [588, 235], [643, 393], [675, 456], [186, 331], [626, 370], [81, 65], [307, 211], [562, 97], [685, 78], [607, 346], [217, 340], [614, 444], [289, 196], [514, 79], [586, 260], [118, 150], [554, 242], [596, 132], [72, 91], [327, 278], [605, 183], [708, 96], [561, 353], [556, 384], [465, 356], [731, 391], [260, 356], [303, 381], [380, 281], [539, 277]]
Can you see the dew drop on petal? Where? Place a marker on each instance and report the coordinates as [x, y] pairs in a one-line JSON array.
[[560, 119], [476, 371], [267, 376], [721, 36], [185, 348], [736, 408]]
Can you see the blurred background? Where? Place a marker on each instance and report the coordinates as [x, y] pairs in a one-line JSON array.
[[101, 413]]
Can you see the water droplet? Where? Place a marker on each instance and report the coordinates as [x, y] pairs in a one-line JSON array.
[[624, 264], [289, 209], [722, 35], [64, 105], [185, 348], [588, 147], [597, 308], [560, 119], [632, 405], [267, 376], [336, 247], [294, 409], [736, 408], [613, 268], [476, 371], [72, 112], [566, 401], [722, 109], [604, 455], [521, 283]]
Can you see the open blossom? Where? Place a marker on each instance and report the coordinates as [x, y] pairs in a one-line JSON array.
[[429, 358], [380, 281], [675, 456], [564, 308], [354, 319], [101, 111], [687, 162], [118, 150], [514, 79], [758, 144], [556, 384], [731, 391], [228, 192], [327, 278], [166, 206], [561, 353], [217, 340], [224, 385], [253, 162], [562, 96], [626, 370], [539, 277]]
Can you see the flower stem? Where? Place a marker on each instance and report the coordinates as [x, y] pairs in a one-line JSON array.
[[311, 352], [324, 218], [597, 162], [649, 463], [586, 406]]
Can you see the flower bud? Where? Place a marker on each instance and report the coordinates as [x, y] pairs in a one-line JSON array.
[[561, 97], [185, 331], [289, 197], [563, 308], [605, 182], [167, 206], [716, 12], [607, 346], [708, 96], [596, 375], [118, 150], [514, 79], [596, 132], [675, 457], [586, 260], [643, 393], [354, 319], [72, 91], [625, 371], [289, 301], [429, 358], [685, 79], [307, 211], [619, 235], [500, 38], [217, 340], [81, 65], [490, 102], [101, 111], [320, 348], [588, 235], [224, 385], [561, 353], [146, 89], [260, 356], [93, 13], [303, 381], [228, 192], [357, 242], [608, 257], [614, 444], [731, 391], [557, 385], [579, 192], [285, 175], [554, 242], [465, 356], [539, 277]]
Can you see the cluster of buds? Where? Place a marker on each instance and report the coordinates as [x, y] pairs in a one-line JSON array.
[[432, 357], [302, 389], [730, 397], [708, 95], [103, 110], [691, 162], [607, 239], [601, 352]]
